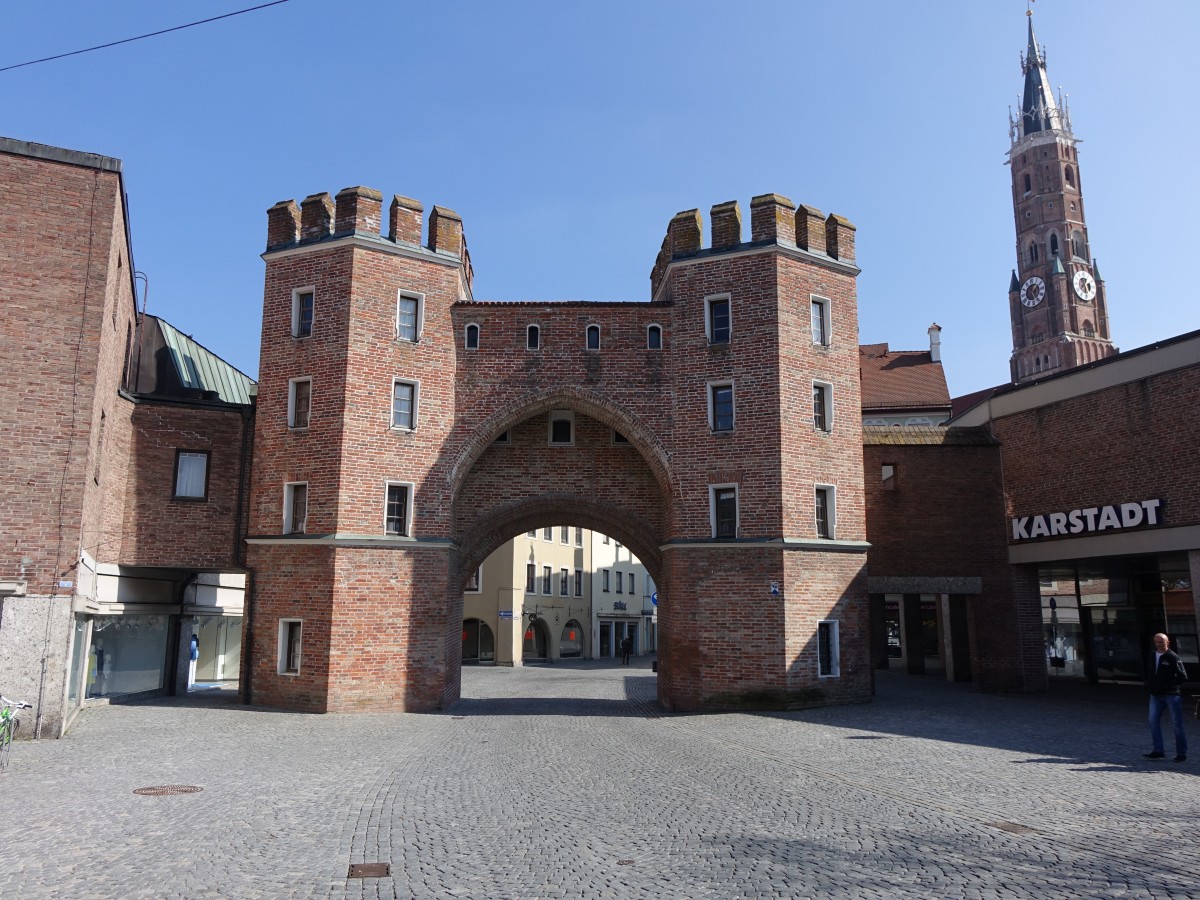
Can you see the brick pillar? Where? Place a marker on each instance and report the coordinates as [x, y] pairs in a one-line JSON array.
[[684, 233], [283, 224], [316, 216], [839, 237], [406, 221], [445, 231], [772, 218], [726, 225], [359, 211], [810, 229]]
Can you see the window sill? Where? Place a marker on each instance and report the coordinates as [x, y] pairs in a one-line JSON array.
[[400, 429], [298, 429], [203, 499]]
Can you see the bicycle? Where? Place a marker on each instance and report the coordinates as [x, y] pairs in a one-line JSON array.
[[9, 723]]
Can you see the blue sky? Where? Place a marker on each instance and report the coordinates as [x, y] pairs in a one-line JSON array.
[[568, 134]]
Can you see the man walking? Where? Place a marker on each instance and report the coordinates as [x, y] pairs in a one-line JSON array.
[[1168, 675]]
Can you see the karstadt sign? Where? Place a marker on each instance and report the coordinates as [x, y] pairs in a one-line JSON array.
[[1087, 520]]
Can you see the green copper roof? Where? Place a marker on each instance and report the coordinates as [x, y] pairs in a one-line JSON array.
[[202, 369]]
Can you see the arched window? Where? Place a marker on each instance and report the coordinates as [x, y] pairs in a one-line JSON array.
[[593, 337], [1054, 245], [654, 337], [1088, 329], [533, 337], [570, 644], [1028, 183], [1033, 252], [472, 337], [1070, 175]]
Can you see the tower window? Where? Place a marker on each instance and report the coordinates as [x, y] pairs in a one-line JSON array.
[[533, 337], [1028, 183], [1088, 330], [1070, 175], [716, 322], [819, 320], [1033, 252], [720, 407], [472, 337], [1054, 245], [654, 337], [408, 316], [823, 503], [1078, 248], [593, 337], [723, 509]]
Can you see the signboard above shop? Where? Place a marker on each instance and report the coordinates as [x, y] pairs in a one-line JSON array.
[[1088, 520]]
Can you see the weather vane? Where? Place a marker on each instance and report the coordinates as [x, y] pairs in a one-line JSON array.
[[1029, 7]]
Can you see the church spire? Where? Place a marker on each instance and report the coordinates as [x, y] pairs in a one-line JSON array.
[[1039, 112]]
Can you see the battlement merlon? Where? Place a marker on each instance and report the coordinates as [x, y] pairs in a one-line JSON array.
[[774, 220], [358, 211]]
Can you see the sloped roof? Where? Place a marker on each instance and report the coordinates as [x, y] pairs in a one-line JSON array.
[[198, 368], [932, 436], [901, 379]]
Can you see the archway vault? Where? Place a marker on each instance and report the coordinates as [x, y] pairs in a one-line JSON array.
[[595, 405], [499, 524]]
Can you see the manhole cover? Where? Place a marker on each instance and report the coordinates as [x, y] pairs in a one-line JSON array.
[[1013, 828], [163, 790], [370, 870]]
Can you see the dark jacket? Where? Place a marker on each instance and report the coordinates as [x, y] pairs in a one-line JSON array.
[[1169, 675]]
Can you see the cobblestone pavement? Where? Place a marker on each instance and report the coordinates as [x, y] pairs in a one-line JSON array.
[[566, 781]]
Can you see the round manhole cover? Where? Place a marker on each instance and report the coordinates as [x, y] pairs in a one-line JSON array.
[[163, 790]]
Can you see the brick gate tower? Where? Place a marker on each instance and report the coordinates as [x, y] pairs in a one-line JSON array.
[[1057, 299], [405, 430]]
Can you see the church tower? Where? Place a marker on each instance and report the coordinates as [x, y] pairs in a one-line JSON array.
[[1056, 295]]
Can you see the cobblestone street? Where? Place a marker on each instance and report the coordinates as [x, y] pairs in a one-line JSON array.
[[567, 781]]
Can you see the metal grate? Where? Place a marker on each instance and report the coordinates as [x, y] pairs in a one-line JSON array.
[[369, 870], [164, 790]]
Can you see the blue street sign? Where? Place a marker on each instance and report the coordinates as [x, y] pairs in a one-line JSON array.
[[654, 598]]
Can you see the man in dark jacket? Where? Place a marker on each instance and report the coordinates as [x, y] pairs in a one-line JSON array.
[[1167, 676]]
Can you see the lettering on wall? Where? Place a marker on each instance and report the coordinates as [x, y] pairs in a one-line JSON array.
[[1088, 520]]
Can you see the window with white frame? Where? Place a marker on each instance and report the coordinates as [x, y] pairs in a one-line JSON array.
[[546, 580], [564, 582], [822, 405], [720, 407], [471, 338], [592, 337], [290, 633], [821, 323], [723, 510], [620, 578], [533, 337], [564, 534], [654, 337], [299, 402], [532, 534], [191, 474], [604, 580], [404, 404], [717, 323], [605, 538], [409, 314], [579, 582], [825, 509], [578, 537], [632, 582], [475, 582], [398, 511], [828, 650], [562, 428], [303, 303], [548, 533], [530, 578], [295, 507]]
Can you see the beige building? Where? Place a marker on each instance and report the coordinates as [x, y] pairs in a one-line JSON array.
[[623, 596]]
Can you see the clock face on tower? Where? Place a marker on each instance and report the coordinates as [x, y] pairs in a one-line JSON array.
[[1085, 286], [1032, 291]]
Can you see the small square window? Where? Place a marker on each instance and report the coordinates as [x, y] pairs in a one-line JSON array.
[[532, 534], [475, 582], [191, 474], [717, 320], [408, 316], [503, 438], [724, 510], [562, 427], [295, 507], [618, 438], [398, 511], [303, 302], [290, 633], [720, 407], [404, 405], [821, 325], [299, 402]]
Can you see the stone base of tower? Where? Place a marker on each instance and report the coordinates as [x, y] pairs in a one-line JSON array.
[[729, 641], [378, 630]]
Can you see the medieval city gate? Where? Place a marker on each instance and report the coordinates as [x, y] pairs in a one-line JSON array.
[[405, 430]]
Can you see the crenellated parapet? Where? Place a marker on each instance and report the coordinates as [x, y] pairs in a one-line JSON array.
[[774, 220], [358, 211]]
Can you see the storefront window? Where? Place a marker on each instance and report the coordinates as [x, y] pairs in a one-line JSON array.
[[78, 661], [571, 642], [127, 655]]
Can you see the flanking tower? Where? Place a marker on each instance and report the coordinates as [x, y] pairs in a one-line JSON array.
[[1056, 296]]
